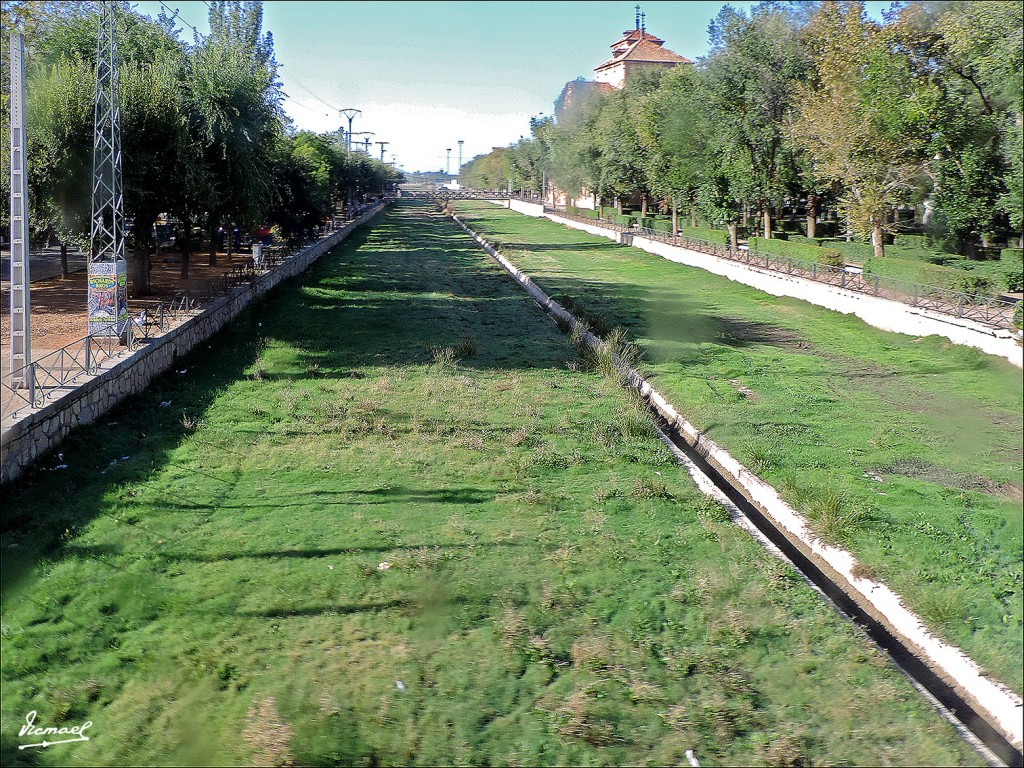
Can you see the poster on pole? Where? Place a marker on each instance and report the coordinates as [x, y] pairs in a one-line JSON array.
[[108, 297]]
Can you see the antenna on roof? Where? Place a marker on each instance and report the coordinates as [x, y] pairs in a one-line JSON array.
[[638, 15], [643, 22]]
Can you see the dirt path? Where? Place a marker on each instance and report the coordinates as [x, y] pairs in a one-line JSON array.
[[58, 305]]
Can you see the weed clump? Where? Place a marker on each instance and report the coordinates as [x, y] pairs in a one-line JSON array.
[[615, 357], [465, 347], [833, 518], [444, 359]]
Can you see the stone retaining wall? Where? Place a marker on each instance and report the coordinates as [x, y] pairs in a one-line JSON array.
[[40, 432]]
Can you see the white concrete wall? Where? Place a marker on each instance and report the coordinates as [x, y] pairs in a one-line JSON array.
[[592, 229], [881, 313], [529, 209]]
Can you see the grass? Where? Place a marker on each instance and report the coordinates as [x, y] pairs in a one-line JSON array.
[[412, 555], [906, 450]]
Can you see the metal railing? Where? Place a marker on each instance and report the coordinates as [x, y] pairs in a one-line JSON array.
[[53, 374], [989, 310]]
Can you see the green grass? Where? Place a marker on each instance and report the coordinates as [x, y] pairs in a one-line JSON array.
[[558, 592], [907, 450]]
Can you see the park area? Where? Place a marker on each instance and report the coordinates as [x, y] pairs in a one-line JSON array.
[[392, 515]]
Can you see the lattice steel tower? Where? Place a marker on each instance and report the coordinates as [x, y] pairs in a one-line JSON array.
[[108, 301]]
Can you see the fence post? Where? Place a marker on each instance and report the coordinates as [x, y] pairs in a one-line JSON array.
[[88, 354], [915, 294], [789, 268], [30, 372], [814, 270], [878, 284], [842, 279], [960, 305]]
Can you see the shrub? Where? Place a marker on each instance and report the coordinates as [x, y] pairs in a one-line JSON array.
[[663, 226], [830, 257], [1018, 315], [971, 284], [784, 249], [917, 242], [1013, 278], [623, 220], [1012, 254]]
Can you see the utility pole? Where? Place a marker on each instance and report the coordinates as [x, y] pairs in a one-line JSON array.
[[350, 113], [21, 340], [108, 283], [448, 162], [459, 171], [382, 144]]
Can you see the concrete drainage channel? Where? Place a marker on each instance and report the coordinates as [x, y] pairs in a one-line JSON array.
[[988, 710]]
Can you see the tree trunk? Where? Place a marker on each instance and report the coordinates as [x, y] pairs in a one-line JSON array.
[[693, 215], [618, 205], [812, 215], [746, 217], [877, 238], [65, 273], [138, 271], [643, 205], [733, 239], [675, 219], [213, 245], [767, 221], [186, 252]]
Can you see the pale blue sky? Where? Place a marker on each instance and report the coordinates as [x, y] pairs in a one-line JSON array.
[[426, 74]]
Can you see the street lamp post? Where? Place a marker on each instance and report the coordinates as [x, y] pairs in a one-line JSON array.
[[350, 113]]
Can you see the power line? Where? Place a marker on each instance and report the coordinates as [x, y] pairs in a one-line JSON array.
[[175, 15], [303, 87]]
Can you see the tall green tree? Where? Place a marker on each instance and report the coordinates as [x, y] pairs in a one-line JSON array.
[[863, 117], [749, 78]]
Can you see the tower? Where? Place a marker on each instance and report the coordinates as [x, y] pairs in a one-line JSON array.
[[21, 341], [108, 275], [458, 170]]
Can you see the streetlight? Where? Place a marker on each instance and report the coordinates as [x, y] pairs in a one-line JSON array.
[[350, 112], [448, 162], [381, 144]]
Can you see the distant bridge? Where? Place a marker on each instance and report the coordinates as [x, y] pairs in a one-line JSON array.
[[453, 194]]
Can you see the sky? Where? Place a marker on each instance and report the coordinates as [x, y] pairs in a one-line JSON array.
[[427, 74]]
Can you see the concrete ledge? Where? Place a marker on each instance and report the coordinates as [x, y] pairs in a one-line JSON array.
[[42, 430]]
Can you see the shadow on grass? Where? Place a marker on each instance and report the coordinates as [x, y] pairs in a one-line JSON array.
[[322, 610], [325, 552], [377, 317]]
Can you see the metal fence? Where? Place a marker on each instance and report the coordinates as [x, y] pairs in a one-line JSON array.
[[32, 385], [995, 311]]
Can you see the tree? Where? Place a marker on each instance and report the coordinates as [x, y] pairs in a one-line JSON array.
[[675, 137], [749, 80], [863, 117]]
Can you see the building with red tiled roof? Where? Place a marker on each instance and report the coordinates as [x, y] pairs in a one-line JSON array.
[[635, 50]]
